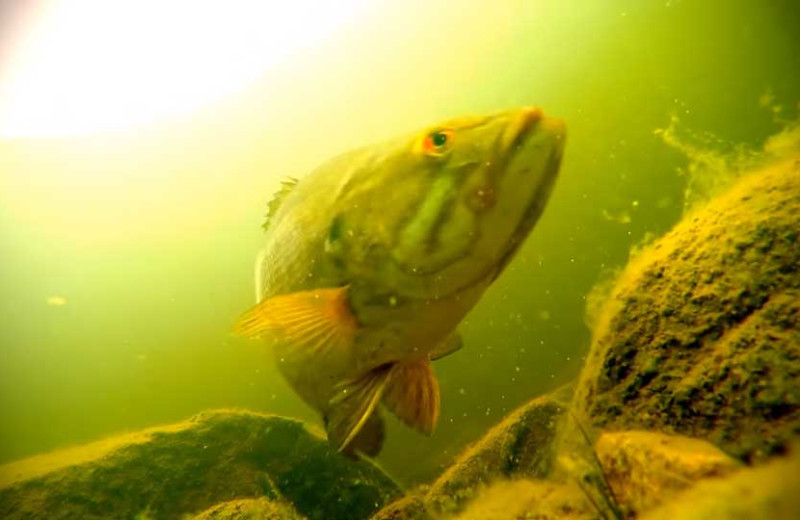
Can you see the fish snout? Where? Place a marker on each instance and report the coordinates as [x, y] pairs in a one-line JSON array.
[[557, 129], [522, 121]]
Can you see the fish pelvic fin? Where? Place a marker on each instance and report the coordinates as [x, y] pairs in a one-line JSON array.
[[351, 408], [413, 395], [452, 343], [369, 440], [316, 319]]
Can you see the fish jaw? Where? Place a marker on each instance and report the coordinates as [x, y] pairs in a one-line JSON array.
[[519, 125], [550, 135]]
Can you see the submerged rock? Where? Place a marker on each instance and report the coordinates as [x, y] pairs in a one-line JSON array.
[[520, 446], [645, 469], [182, 469], [540, 500], [250, 509], [701, 333], [770, 492], [411, 507]]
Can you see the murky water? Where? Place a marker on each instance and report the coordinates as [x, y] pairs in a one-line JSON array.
[[127, 255]]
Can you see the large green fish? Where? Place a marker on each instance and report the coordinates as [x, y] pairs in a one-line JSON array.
[[372, 260]]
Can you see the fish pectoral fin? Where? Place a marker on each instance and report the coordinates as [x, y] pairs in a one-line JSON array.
[[451, 344], [353, 403], [317, 318], [413, 395]]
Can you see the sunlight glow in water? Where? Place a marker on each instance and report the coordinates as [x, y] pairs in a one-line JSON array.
[[87, 66]]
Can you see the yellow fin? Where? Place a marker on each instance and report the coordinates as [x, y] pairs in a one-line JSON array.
[[413, 395], [353, 403], [369, 440], [319, 317], [452, 343]]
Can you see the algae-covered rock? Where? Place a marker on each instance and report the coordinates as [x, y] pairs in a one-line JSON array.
[[250, 509], [770, 492], [185, 468], [645, 469], [540, 500], [701, 333], [411, 507], [520, 446]]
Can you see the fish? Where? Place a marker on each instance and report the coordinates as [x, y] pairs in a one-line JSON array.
[[371, 261]]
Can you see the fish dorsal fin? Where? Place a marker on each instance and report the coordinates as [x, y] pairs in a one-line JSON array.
[[452, 343], [353, 403], [413, 395], [317, 319], [287, 184]]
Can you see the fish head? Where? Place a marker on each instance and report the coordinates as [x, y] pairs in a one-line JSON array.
[[447, 209]]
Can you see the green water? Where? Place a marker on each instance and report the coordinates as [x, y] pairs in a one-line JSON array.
[[149, 235]]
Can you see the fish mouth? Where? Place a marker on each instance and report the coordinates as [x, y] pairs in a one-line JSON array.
[[518, 129], [537, 203], [512, 140]]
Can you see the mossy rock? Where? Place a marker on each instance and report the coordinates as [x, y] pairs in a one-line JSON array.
[[701, 333], [411, 507], [182, 469], [646, 469], [534, 499], [768, 492], [519, 446], [250, 509]]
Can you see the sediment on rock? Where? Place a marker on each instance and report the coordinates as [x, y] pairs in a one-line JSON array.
[[183, 469], [770, 491], [645, 469], [519, 446], [524, 498], [701, 333], [250, 509]]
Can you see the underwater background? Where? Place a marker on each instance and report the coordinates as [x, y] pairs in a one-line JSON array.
[[127, 254]]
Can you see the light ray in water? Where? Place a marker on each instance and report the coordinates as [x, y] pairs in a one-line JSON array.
[[87, 66]]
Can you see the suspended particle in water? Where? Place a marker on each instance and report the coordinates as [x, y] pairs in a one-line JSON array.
[[56, 301]]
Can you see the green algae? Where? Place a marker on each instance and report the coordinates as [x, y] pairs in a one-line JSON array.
[[165, 473]]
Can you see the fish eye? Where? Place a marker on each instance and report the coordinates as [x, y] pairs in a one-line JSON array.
[[436, 142]]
